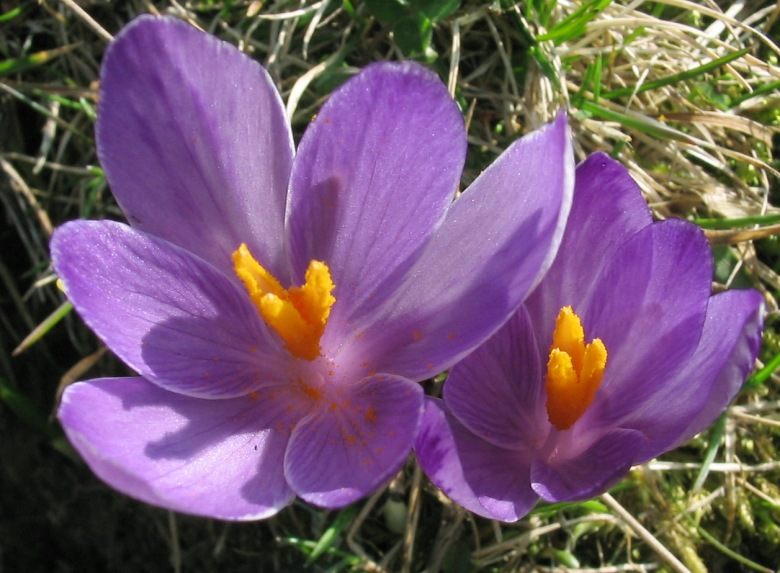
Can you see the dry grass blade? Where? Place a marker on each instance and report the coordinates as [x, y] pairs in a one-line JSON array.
[[741, 235], [88, 20], [413, 518], [727, 120], [20, 186], [666, 555], [78, 370], [723, 467]]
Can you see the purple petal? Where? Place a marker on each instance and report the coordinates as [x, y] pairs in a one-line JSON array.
[[354, 441], [374, 175], [591, 472], [167, 314], [688, 403], [217, 458], [497, 239], [485, 479], [194, 140], [648, 308], [495, 391], [608, 208]]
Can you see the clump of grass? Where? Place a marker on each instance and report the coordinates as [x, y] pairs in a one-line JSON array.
[[683, 93]]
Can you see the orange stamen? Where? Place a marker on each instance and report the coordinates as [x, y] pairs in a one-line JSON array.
[[299, 314], [574, 370]]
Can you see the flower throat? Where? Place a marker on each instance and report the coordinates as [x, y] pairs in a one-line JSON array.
[[298, 314], [574, 370]]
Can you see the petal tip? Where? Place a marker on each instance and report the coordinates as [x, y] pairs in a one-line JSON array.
[[561, 117], [402, 68], [63, 236], [151, 22], [601, 159], [757, 301], [60, 239]]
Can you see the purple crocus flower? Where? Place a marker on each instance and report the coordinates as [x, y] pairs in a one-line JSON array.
[[280, 310], [618, 355]]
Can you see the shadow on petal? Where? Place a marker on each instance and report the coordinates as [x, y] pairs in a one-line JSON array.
[[200, 356], [463, 288], [488, 480], [589, 472], [219, 458]]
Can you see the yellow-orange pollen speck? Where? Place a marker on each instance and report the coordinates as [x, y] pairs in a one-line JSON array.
[[298, 314], [574, 370]]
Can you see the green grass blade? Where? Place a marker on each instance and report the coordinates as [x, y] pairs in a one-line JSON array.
[[589, 506], [679, 77], [591, 83], [16, 65], [40, 331], [713, 223], [332, 533], [566, 558], [11, 14], [81, 105], [544, 63], [42, 110], [709, 538], [640, 31], [759, 91], [306, 546], [596, 79], [639, 123], [712, 450], [760, 377], [573, 25]]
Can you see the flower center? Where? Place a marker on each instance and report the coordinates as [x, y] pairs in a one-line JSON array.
[[574, 370], [298, 314]]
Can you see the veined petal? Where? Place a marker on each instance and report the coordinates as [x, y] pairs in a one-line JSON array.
[[648, 308], [496, 390], [496, 242], [590, 472], [690, 401], [608, 208], [167, 314], [195, 143], [354, 441], [485, 479], [374, 175], [216, 458]]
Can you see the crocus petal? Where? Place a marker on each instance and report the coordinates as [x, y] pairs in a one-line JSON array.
[[374, 175], [485, 479], [217, 458], [648, 308], [497, 239], [607, 210], [709, 380], [167, 314], [195, 144], [495, 390], [354, 442], [589, 473]]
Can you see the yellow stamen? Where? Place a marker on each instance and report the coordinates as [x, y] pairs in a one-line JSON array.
[[574, 370], [299, 314]]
